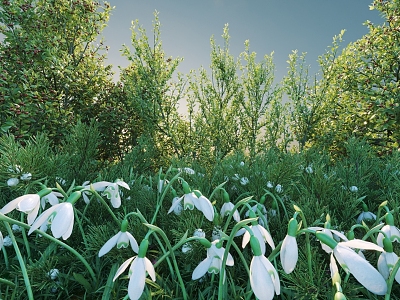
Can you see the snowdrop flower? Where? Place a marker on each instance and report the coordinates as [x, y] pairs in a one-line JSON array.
[[279, 188], [112, 192], [270, 185], [59, 216], [137, 272], [216, 233], [236, 177], [186, 247], [7, 242], [244, 180], [191, 200], [309, 170], [53, 274], [366, 215], [14, 169], [289, 251], [387, 260], [26, 176], [264, 279], [390, 230], [177, 206], [352, 263], [241, 163], [260, 233], [16, 228], [12, 182], [51, 198], [259, 208], [122, 240], [213, 262], [187, 170], [353, 189], [228, 206], [28, 204]]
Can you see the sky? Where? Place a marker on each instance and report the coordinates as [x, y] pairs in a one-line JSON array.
[[278, 26]]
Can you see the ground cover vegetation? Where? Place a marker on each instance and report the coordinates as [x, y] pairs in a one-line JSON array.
[[244, 196]]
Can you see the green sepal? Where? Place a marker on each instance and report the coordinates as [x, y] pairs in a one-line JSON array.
[[327, 240], [206, 243], [186, 187], [387, 245], [124, 225], [262, 199], [350, 235], [44, 192], [74, 197], [255, 246], [144, 245], [389, 219], [364, 207], [292, 227], [226, 196]]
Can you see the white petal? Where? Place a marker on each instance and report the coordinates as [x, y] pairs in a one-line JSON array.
[[10, 206], [137, 279], [109, 244], [150, 268], [175, 204], [133, 242], [246, 238], [63, 219], [123, 184], [267, 236], [206, 207], [362, 270], [29, 203], [289, 254], [274, 276], [43, 218], [33, 214], [383, 266], [101, 186], [68, 232], [202, 268], [260, 237], [360, 244], [339, 234], [122, 268], [260, 280]]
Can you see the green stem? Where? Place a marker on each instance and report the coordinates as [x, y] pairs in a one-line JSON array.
[[390, 281], [20, 260], [27, 246], [106, 205], [12, 284], [72, 250], [78, 220], [6, 262], [308, 248]]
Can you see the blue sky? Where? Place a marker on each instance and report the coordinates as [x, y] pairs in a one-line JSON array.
[[270, 25]]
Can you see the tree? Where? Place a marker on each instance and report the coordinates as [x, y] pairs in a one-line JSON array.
[[52, 72]]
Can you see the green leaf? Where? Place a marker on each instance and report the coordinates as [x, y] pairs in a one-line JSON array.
[[83, 281]]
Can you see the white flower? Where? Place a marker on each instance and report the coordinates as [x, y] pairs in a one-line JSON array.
[[261, 234], [28, 204], [244, 180], [16, 228], [112, 192], [386, 262], [289, 251], [366, 216], [137, 272], [12, 182], [390, 230], [227, 208], [188, 171], [353, 189], [216, 233], [51, 198], [270, 185], [14, 169], [7, 242], [309, 170], [177, 206], [336, 235], [186, 247], [262, 209], [190, 201], [26, 176], [236, 177], [199, 233], [60, 217], [264, 279], [241, 163], [122, 240], [279, 188], [352, 263], [53, 274], [213, 262]]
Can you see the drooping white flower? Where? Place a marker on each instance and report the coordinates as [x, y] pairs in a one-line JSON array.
[[336, 235], [289, 250], [309, 170], [51, 198], [244, 180], [26, 176], [227, 208], [140, 264], [112, 192], [387, 260], [261, 234], [279, 188], [353, 189], [261, 208], [16, 228], [264, 279], [352, 263], [213, 262], [122, 240], [60, 217], [390, 230], [12, 182], [7, 242], [28, 204], [53, 274], [270, 185], [365, 215]]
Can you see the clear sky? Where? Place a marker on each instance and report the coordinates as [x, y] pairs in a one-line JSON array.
[[270, 25]]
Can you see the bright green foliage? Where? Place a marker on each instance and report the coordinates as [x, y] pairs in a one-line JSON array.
[[51, 69], [363, 94]]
